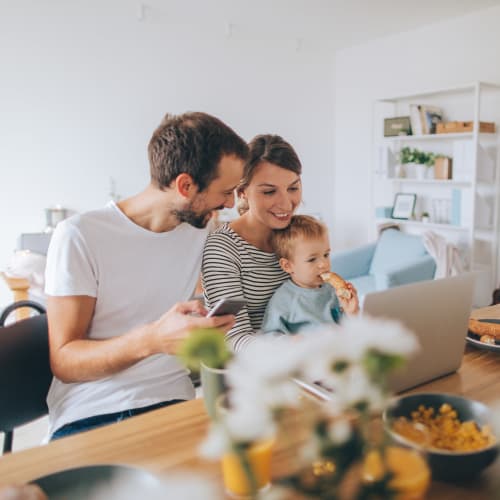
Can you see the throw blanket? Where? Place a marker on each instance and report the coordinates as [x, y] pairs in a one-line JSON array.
[[447, 256]]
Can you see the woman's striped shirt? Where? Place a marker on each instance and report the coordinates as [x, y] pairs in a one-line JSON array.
[[233, 268]]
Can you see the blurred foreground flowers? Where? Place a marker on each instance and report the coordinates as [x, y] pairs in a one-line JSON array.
[[354, 361]]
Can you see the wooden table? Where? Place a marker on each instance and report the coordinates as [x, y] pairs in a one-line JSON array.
[[169, 438]]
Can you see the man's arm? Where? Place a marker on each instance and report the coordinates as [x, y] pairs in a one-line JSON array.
[[76, 358]]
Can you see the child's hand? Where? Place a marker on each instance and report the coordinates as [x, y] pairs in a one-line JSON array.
[[350, 306]]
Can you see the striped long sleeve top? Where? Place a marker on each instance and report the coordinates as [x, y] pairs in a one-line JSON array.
[[234, 268]]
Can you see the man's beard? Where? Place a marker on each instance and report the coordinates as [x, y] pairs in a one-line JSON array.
[[194, 219]]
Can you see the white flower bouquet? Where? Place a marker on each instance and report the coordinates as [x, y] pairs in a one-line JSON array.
[[354, 360]]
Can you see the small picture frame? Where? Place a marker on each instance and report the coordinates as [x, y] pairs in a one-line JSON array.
[[404, 205], [399, 125]]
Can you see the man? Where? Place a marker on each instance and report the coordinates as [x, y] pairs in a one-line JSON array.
[[115, 277]]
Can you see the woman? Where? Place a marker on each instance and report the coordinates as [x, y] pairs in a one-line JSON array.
[[238, 260]]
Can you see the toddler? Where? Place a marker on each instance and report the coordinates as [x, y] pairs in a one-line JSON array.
[[303, 250]]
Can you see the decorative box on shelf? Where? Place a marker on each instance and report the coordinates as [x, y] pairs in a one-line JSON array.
[[443, 168], [454, 127]]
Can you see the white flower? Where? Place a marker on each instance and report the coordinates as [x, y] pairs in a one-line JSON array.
[[387, 336], [249, 422], [310, 451], [328, 346], [355, 387], [216, 443], [131, 485], [260, 376], [268, 358], [339, 431]]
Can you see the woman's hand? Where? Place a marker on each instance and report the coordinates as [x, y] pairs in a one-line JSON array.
[[350, 306], [176, 324]]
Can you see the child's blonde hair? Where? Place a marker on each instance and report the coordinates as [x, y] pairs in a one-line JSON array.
[[301, 226]]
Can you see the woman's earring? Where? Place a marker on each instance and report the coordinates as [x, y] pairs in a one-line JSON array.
[[242, 205]]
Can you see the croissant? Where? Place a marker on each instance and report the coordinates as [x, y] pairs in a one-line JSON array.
[[338, 283]]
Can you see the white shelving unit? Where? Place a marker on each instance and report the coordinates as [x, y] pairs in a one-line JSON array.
[[463, 209]]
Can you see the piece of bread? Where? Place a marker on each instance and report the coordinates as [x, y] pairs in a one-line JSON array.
[[338, 283], [487, 339], [482, 328]]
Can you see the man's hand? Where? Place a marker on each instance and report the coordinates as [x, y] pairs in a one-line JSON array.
[[176, 324]]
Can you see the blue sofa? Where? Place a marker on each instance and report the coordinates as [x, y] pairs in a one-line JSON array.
[[396, 259]]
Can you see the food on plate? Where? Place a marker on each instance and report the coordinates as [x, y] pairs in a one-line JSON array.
[[484, 328], [338, 283], [487, 339], [443, 430]]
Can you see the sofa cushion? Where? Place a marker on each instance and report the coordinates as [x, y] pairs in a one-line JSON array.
[[395, 248], [364, 284]]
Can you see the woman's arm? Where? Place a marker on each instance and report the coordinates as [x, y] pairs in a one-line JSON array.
[[221, 276]]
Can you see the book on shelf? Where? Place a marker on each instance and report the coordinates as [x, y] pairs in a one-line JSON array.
[[424, 118], [416, 123], [461, 202], [432, 115]]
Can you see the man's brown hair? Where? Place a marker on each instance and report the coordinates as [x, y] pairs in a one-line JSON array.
[[301, 227], [191, 143]]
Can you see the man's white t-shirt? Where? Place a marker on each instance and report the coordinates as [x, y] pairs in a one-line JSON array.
[[136, 276]]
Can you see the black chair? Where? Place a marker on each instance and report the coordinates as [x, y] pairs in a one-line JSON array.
[[25, 374]]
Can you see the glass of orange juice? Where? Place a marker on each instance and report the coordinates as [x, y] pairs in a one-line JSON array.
[[246, 470], [245, 482]]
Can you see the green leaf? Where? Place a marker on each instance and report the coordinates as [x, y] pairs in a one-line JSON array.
[[205, 345], [379, 364], [340, 366]]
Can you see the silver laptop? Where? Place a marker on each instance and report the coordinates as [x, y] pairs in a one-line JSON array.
[[437, 312]]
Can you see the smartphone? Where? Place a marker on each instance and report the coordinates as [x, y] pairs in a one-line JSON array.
[[226, 306]]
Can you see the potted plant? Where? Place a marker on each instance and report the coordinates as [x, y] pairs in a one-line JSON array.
[[205, 351], [418, 159], [405, 157], [427, 159], [425, 217]]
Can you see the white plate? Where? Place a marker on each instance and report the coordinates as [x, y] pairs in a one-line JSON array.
[[482, 345]]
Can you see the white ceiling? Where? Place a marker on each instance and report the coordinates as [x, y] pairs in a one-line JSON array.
[[337, 23]]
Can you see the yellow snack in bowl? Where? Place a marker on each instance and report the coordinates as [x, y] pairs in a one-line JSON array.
[[443, 430]]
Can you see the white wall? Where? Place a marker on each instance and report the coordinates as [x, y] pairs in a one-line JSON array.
[[83, 85], [436, 56]]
